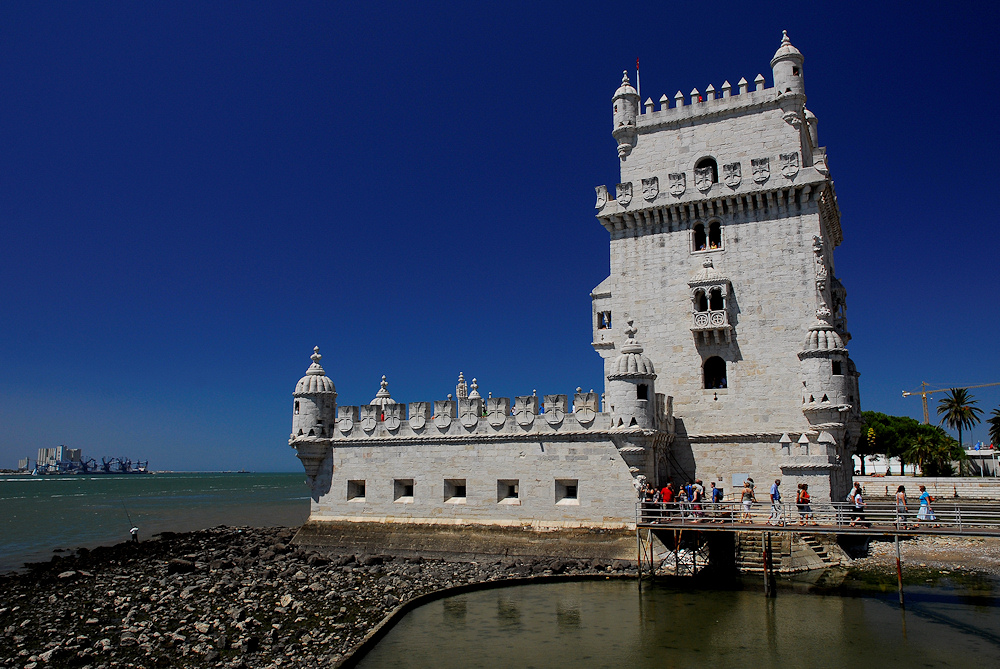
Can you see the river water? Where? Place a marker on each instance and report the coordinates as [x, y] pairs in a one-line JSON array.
[[609, 624], [39, 514]]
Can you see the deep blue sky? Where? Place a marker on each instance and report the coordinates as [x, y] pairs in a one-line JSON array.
[[193, 195]]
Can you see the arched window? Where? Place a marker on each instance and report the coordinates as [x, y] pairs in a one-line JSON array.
[[715, 300], [715, 372], [700, 238], [702, 301], [709, 162], [715, 235]]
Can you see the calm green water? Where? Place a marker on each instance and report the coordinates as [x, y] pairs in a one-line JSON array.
[[43, 513], [608, 624]]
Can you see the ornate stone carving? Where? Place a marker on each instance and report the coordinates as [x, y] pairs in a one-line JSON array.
[[602, 196], [369, 416], [732, 174], [623, 193], [469, 411], [761, 169], [703, 178], [497, 410], [346, 417], [444, 411], [585, 407], [792, 118], [555, 409], [678, 184], [525, 409], [789, 164], [395, 414], [650, 188], [418, 415]]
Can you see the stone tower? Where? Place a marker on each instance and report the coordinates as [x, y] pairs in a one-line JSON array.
[[631, 393], [315, 407], [722, 234]]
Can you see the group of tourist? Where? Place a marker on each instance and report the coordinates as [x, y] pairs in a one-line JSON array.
[[692, 503]]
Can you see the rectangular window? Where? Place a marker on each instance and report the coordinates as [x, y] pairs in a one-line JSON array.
[[604, 320], [837, 371], [641, 392], [356, 491], [508, 491], [402, 491], [296, 407], [454, 491], [567, 492]]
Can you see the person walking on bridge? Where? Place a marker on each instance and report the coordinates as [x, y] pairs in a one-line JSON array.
[[775, 517]]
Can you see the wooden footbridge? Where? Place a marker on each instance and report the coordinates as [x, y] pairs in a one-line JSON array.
[[876, 519]]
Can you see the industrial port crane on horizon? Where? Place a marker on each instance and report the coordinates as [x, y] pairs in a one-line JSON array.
[[924, 393]]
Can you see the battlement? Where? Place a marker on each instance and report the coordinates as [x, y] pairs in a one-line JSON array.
[[464, 418], [708, 103]]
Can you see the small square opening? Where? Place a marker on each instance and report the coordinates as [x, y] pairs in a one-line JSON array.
[[567, 492], [837, 369], [402, 491], [604, 320], [508, 491], [356, 491], [454, 491]]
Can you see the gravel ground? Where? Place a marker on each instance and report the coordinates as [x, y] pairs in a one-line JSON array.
[[225, 597], [972, 554]]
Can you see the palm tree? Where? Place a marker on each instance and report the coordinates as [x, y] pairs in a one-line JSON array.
[[924, 448], [959, 410], [995, 427]]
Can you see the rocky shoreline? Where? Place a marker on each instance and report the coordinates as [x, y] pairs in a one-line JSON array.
[[226, 597]]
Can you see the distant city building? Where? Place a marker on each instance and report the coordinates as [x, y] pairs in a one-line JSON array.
[[60, 455], [722, 330]]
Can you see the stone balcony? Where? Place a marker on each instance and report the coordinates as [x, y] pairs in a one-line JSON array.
[[711, 326]]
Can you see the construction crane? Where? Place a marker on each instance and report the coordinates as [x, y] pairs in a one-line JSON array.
[[924, 393]]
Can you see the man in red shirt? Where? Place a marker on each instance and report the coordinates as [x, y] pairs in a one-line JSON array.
[[668, 498]]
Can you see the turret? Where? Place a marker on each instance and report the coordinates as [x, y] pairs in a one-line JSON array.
[[826, 378], [631, 393], [626, 111], [787, 68], [315, 408]]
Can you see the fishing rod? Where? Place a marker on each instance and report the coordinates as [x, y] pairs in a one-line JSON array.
[[130, 523]]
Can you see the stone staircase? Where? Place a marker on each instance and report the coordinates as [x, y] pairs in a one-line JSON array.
[[818, 548], [792, 553]]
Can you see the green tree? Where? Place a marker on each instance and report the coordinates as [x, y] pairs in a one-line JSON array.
[[959, 410], [933, 451], [888, 435], [994, 422]]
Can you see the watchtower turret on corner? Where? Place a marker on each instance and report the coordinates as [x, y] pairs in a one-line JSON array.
[[315, 408], [626, 111], [631, 394], [787, 68]]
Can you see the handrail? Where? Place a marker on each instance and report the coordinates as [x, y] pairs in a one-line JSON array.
[[876, 516]]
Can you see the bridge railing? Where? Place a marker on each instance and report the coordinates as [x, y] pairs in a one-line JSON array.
[[963, 518]]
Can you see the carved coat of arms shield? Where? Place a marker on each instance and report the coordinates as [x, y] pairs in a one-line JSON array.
[[602, 196], [678, 184], [444, 411], [525, 409], [345, 419], [469, 411], [555, 409], [418, 415], [394, 415], [624, 193], [732, 174], [650, 188], [761, 169], [497, 409], [585, 407], [369, 417], [703, 178], [790, 164]]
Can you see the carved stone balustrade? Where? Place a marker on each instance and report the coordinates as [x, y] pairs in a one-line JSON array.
[[711, 325]]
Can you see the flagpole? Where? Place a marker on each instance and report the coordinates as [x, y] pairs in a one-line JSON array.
[[638, 90]]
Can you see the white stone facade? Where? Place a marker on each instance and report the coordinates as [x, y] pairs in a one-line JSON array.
[[722, 236], [722, 233]]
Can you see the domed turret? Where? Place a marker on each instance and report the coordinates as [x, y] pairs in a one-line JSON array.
[[315, 402], [631, 394], [787, 68], [626, 112], [382, 397], [826, 379]]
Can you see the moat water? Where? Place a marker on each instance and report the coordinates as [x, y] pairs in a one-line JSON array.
[[610, 624]]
